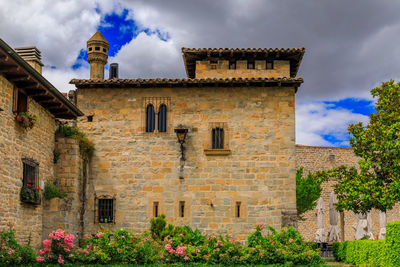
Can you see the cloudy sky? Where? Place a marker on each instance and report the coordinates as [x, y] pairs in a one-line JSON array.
[[351, 46]]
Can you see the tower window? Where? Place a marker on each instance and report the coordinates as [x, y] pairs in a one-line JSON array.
[[162, 119], [270, 64], [104, 50], [90, 118], [150, 119], [90, 49], [237, 209], [232, 65], [97, 48], [181, 209], [217, 138], [155, 209], [106, 210]]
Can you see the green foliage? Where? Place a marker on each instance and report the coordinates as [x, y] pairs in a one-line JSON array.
[[51, 190], [56, 156], [308, 191], [11, 253], [368, 252], [29, 195], [157, 225], [392, 246], [86, 146]]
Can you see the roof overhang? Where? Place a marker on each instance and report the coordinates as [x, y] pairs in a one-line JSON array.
[[152, 83], [191, 55], [33, 84]]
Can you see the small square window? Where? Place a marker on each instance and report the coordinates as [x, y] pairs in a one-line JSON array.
[[250, 65], [270, 65], [213, 66], [106, 210], [90, 118], [232, 65], [181, 209], [90, 49], [97, 48]]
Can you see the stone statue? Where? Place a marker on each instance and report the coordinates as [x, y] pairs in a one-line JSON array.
[[334, 230], [361, 227], [382, 224], [319, 236]]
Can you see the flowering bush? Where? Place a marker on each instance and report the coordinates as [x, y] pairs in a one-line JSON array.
[[11, 253], [57, 249], [30, 193]]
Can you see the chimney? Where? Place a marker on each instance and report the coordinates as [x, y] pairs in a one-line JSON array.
[[32, 56], [113, 70]]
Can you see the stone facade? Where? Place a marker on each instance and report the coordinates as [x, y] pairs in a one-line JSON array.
[[17, 143], [313, 159], [139, 168], [220, 69]]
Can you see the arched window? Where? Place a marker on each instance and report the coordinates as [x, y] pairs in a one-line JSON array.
[[150, 119], [162, 119]]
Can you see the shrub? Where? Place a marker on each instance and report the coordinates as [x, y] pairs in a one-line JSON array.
[[12, 253], [51, 190], [357, 252], [392, 246], [86, 146], [157, 225], [57, 249]]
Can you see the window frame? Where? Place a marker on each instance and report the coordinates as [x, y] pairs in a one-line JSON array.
[[221, 148], [157, 103], [30, 163], [97, 207]]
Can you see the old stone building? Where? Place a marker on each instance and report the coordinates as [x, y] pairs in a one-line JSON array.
[[26, 150], [239, 167]]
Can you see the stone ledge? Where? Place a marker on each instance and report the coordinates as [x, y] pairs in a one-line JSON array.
[[217, 152]]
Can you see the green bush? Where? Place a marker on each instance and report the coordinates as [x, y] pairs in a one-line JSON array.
[[86, 146], [392, 246], [51, 190], [12, 253], [370, 252], [157, 225]]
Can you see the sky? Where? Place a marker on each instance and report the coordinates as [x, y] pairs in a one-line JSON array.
[[351, 46]]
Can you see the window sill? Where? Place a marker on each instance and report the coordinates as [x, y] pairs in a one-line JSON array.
[[217, 152]]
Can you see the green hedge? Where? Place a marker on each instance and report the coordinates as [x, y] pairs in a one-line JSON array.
[[371, 252]]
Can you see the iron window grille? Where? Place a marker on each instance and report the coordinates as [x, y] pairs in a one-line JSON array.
[[104, 209], [218, 135], [30, 172]]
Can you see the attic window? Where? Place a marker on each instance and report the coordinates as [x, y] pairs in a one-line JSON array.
[[97, 48], [250, 65], [270, 65], [232, 65]]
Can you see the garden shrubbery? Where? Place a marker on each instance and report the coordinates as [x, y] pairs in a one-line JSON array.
[[11, 253], [371, 252], [169, 244]]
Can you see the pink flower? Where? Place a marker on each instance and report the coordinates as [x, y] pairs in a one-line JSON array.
[[291, 240], [217, 249], [181, 235], [39, 259], [186, 258], [11, 251], [71, 255], [87, 236], [261, 225], [41, 252], [99, 234], [47, 243], [168, 246], [60, 260], [123, 237]]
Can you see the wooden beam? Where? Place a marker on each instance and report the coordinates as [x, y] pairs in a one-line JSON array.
[[8, 68], [48, 105], [17, 78], [25, 84]]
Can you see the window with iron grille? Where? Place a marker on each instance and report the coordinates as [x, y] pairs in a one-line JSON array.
[[270, 64], [217, 138], [106, 210], [30, 173]]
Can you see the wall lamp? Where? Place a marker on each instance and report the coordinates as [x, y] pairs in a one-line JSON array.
[[181, 133]]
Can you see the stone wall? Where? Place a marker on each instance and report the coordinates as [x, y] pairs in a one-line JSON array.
[[206, 69], [139, 168], [65, 213], [313, 159], [17, 143]]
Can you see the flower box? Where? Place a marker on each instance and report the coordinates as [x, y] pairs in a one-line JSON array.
[[26, 120], [30, 195]]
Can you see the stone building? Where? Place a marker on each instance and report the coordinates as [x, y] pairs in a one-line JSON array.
[[239, 166], [26, 152]]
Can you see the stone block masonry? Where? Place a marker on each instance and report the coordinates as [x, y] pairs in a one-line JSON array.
[[17, 143], [139, 168]]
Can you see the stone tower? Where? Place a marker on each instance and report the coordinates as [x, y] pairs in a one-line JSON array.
[[97, 55]]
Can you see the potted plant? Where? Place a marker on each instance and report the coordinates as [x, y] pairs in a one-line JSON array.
[[26, 120], [30, 194]]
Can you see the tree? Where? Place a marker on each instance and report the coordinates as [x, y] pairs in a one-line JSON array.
[[377, 182], [308, 191]]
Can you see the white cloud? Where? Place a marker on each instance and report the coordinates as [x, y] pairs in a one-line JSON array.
[[316, 119]]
